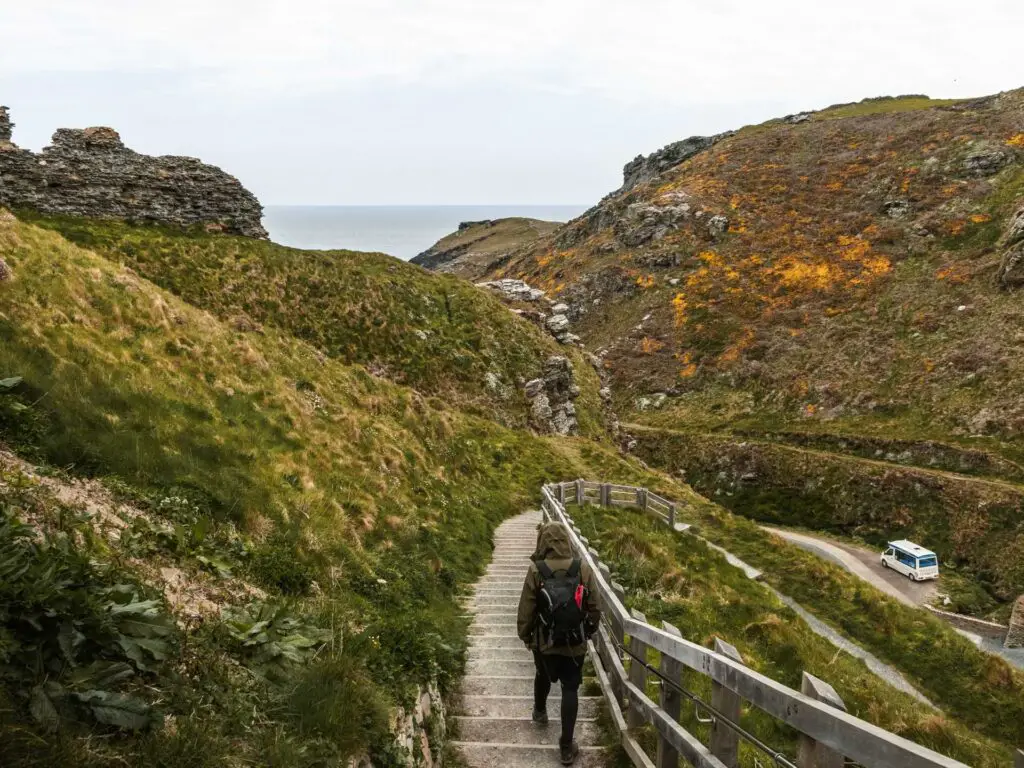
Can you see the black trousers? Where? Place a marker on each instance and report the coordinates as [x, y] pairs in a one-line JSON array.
[[568, 670]]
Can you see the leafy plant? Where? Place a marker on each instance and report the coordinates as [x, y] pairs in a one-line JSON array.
[[271, 639], [69, 638]]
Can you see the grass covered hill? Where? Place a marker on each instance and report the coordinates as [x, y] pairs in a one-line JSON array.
[[850, 267], [832, 304], [270, 556], [221, 547], [430, 332]]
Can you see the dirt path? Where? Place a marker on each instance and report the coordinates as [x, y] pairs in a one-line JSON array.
[[865, 563]]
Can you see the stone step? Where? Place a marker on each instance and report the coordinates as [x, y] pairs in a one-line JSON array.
[[480, 755], [522, 730], [491, 685], [514, 653], [483, 642], [519, 706], [500, 667], [502, 631], [505, 623]]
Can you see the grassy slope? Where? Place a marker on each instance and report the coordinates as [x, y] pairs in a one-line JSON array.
[[360, 499], [976, 523], [677, 578], [816, 305], [333, 476], [431, 332], [968, 684]]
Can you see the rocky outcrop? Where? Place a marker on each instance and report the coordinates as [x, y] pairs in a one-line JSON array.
[[1011, 269], [513, 290], [551, 398], [644, 168], [419, 732], [91, 173]]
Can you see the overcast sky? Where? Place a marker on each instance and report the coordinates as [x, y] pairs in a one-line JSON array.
[[471, 101]]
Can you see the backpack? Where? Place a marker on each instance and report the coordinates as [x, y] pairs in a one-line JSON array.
[[561, 600]]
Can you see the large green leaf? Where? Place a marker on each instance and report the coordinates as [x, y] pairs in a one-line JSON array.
[[118, 709], [42, 710]]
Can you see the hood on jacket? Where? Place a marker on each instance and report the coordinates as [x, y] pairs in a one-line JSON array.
[[553, 542]]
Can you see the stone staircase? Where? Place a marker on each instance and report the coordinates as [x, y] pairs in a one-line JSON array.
[[494, 722]]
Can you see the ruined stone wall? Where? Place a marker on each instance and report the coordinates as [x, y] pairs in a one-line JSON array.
[[91, 173]]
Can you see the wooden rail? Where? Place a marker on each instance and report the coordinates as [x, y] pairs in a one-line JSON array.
[[828, 735]]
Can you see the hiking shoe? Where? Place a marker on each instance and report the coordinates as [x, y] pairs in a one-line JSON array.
[[569, 754], [540, 716]]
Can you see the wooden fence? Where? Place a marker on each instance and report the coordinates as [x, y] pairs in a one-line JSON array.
[[829, 736]]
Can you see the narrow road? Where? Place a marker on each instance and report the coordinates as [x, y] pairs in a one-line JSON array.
[[864, 563], [494, 725]]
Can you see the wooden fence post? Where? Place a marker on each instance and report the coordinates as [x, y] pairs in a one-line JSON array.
[[641, 498], [672, 516], [725, 742], [810, 753], [606, 495], [561, 494], [579, 493], [637, 672], [671, 701]]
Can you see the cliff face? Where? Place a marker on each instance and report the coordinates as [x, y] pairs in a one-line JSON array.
[[91, 173]]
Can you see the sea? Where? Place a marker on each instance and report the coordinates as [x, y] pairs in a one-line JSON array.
[[399, 230]]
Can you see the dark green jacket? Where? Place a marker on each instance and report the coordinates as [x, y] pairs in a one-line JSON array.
[[553, 548]]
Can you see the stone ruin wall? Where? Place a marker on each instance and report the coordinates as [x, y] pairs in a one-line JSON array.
[[91, 173]]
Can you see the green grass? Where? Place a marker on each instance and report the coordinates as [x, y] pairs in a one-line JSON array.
[[882, 105], [971, 523], [432, 332], [677, 578], [361, 505]]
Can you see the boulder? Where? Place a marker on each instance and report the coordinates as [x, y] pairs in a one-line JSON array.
[[1015, 231], [1011, 269], [987, 160], [718, 225], [896, 209], [558, 324], [551, 407], [5, 271], [513, 290]]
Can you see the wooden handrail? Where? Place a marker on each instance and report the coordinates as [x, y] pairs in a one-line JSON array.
[[818, 721]]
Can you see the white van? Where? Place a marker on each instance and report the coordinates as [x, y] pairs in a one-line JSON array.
[[911, 560]]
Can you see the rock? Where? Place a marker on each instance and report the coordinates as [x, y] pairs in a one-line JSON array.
[[986, 160], [420, 334], [1011, 269], [560, 309], [540, 410], [5, 271], [718, 225], [552, 409], [673, 281], [567, 338], [1015, 231], [800, 117], [605, 393], [91, 173], [514, 290], [644, 223], [641, 168], [6, 126], [896, 209], [558, 324], [654, 402]]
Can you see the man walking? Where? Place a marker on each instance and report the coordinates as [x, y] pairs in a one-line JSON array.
[[558, 611]]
